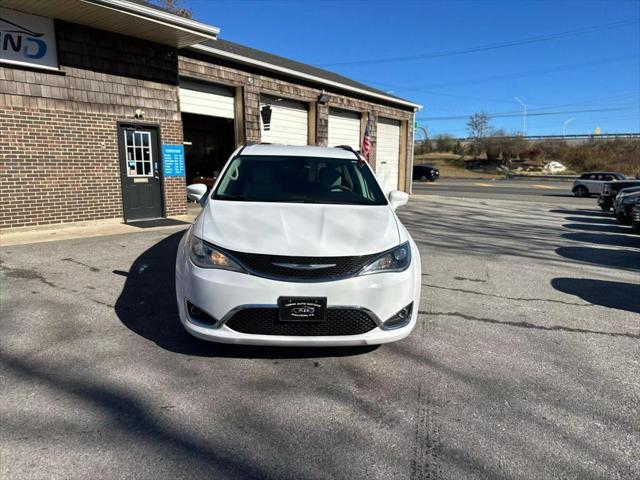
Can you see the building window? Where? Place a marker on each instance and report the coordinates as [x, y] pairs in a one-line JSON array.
[[138, 148]]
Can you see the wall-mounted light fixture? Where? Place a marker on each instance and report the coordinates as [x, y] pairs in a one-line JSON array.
[[139, 113], [323, 98], [265, 113]]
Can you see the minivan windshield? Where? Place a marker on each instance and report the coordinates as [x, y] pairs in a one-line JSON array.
[[294, 179]]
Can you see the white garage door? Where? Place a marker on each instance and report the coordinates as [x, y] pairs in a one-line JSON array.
[[344, 128], [388, 153], [289, 122], [206, 99]]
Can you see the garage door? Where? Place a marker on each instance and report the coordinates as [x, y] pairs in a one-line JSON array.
[[344, 128], [206, 99], [288, 124], [388, 153]]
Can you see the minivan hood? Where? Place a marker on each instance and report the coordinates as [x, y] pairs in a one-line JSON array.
[[298, 229]]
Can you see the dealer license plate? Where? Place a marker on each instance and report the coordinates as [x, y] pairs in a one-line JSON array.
[[302, 309]]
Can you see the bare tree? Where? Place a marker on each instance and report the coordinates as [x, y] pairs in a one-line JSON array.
[[174, 6], [478, 127]]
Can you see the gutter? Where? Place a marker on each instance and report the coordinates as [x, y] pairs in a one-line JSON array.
[[297, 74], [158, 16]]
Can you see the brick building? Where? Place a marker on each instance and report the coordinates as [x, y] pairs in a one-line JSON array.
[[110, 107]]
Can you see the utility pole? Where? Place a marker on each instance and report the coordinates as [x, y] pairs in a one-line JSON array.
[[524, 116], [564, 126]]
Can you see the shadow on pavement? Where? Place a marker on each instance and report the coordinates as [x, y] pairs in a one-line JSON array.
[[597, 228], [598, 219], [590, 213], [609, 240], [618, 295], [127, 414], [147, 306], [565, 195], [602, 256]]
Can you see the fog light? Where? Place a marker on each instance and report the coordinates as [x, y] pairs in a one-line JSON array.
[[196, 313], [400, 319]]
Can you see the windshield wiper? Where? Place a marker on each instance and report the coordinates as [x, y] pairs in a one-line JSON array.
[[237, 198], [300, 200]]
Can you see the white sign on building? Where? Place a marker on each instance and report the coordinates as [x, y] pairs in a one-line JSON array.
[[27, 40]]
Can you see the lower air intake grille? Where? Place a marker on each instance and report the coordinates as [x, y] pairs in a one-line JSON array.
[[264, 321]]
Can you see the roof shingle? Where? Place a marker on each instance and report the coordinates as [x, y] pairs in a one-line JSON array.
[[276, 60]]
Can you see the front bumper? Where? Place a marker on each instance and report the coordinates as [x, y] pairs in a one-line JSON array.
[[219, 293]]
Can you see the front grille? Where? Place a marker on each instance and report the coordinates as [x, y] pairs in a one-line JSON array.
[[635, 214], [264, 321], [337, 267]]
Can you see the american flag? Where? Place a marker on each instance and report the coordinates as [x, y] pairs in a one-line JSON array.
[[366, 140]]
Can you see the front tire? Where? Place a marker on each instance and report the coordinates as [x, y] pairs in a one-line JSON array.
[[622, 219], [581, 191]]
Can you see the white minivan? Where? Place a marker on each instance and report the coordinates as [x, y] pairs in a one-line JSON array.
[[298, 246]]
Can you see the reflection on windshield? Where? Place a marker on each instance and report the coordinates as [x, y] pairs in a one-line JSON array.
[[299, 180]]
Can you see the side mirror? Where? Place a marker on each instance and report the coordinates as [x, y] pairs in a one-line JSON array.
[[398, 199], [196, 191]]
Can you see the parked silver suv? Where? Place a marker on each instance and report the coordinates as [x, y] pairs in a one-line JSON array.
[[591, 183]]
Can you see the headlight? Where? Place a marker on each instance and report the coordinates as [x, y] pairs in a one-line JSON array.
[[204, 255], [394, 260], [628, 200]]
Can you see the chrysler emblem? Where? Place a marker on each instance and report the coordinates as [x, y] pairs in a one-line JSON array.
[[304, 266]]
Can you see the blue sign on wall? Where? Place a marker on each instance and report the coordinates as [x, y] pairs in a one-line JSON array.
[[172, 160]]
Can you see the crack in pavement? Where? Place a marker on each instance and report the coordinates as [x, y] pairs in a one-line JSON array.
[[530, 325], [519, 299], [470, 279], [71, 260]]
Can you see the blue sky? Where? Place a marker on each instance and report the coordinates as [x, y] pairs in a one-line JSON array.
[[594, 70]]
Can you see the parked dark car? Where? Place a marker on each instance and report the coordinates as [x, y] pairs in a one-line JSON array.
[[425, 173], [635, 216], [611, 189], [624, 202]]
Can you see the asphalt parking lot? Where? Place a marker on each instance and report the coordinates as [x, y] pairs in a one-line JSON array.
[[522, 190], [525, 363]]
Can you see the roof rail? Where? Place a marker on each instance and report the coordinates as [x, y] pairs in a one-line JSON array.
[[346, 147], [359, 156], [350, 149]]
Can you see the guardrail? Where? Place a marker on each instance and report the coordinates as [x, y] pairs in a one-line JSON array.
[[543, 178]]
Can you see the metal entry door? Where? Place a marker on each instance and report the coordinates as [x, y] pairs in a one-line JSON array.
[[140, 172]]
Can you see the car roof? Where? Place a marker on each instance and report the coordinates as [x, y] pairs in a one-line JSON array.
[[297, 151]]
